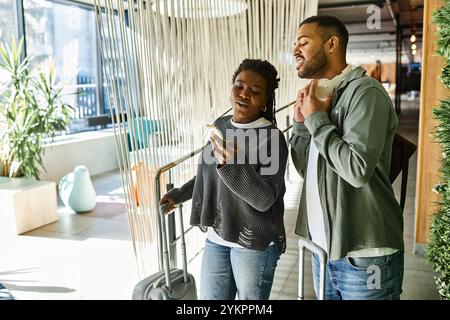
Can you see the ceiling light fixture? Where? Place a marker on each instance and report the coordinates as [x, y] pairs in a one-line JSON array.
[[200, 8]]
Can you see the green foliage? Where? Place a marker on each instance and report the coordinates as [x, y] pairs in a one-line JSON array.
[[441, 17], [31, 110], [438, 251], [445, 77]]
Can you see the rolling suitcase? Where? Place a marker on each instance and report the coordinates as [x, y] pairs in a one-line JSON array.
[[170, 283], [323, 258]]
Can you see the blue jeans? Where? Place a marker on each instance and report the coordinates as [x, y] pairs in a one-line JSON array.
[[227, 271], [351, 278]]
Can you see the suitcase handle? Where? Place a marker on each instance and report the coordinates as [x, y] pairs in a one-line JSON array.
[[165, 245], [323, 258]]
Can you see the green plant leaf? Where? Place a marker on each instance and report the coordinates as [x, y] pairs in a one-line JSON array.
[[31, 103]]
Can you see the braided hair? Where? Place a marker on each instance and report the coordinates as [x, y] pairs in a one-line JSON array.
[[266, 70]]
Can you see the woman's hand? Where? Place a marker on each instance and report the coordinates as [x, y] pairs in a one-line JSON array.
[[169, 201], [225, 152]]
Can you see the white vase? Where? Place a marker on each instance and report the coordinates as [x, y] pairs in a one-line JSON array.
[[76, 190]]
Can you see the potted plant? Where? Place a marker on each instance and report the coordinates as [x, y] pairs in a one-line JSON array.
[[438, 251], [31, 112]]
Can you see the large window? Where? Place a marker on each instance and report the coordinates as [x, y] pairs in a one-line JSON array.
[[65, 34], [8, 23]]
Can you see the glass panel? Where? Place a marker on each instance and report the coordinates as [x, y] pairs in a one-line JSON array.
[[65, 34], [8, 20], [113, 62]]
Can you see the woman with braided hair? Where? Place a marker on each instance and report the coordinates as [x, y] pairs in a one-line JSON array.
[[238, 197]]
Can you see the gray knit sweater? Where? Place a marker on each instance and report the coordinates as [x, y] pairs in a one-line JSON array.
[[242, 202]]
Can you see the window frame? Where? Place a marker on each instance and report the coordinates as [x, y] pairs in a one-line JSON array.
[[20, 15]]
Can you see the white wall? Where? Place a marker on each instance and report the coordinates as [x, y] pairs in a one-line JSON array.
[[96, 150]]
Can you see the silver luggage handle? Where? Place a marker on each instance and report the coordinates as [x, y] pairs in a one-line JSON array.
[[165, 245], [323, 258]]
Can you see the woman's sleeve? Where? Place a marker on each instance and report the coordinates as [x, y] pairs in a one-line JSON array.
[[184, 193]]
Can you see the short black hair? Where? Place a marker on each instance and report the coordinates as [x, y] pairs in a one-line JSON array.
[[266, 70], [330, 26]]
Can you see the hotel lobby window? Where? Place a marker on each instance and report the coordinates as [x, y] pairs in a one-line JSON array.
[[64, 33]]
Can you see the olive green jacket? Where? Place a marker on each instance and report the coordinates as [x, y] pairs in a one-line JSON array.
[[354, 140]]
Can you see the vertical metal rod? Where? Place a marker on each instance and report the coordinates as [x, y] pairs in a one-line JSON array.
[[21, 27], [183, 244], [172, 232], [323, 265], [301, 274], [323, 259], [165, 246], [159, 222]]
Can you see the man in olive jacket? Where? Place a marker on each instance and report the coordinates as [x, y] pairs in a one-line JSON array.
[[341, 145]]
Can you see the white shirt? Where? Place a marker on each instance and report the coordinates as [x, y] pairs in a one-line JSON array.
[[316, 222]]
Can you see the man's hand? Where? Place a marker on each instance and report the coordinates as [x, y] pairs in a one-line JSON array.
[[310, 102], [298, 116]]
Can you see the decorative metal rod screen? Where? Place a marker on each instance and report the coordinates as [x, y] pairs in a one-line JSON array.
[[168, 67]]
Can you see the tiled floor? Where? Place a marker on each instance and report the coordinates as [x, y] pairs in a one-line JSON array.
[[81, 256], [90, 255]]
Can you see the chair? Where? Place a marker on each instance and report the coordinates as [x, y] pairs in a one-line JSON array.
[[143, 191], [402, 150], [143, 127]]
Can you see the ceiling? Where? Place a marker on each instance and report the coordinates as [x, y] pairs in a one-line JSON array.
[[366, 45], [370, 41]]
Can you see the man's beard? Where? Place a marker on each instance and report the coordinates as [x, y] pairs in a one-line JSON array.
[[314, 66]]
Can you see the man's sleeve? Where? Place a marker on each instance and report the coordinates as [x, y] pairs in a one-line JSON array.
[[299, 142], [355, 154]]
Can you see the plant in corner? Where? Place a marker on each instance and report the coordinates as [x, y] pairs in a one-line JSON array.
[[438, 251], [31, 111]]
